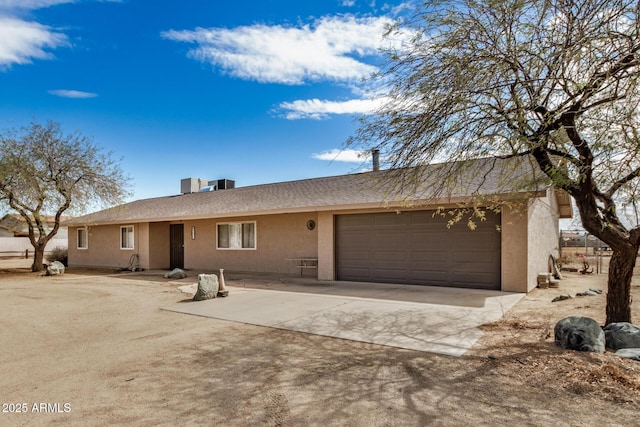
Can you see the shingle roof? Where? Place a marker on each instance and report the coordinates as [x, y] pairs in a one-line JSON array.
[[488, 176]]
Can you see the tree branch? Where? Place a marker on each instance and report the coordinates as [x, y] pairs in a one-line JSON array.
[[622, 181]]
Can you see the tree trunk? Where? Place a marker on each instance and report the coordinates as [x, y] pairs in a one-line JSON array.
[[38, 258], [619, 284]]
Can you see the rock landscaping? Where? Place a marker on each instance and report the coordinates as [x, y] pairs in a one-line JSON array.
[[579, 333], [207, 287], [585, 334]]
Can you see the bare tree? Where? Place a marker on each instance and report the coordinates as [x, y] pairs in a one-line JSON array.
[[556, 81], [46, 172]]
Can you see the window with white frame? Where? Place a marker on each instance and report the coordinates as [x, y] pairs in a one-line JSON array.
[[236, 235], [83, 238], [126, 237]]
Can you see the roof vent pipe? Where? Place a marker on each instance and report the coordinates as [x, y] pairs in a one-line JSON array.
[[375, 154]]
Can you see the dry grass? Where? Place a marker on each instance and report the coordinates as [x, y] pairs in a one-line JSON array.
[[522, 344]]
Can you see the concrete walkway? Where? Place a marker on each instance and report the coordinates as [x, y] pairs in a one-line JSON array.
[[424, 318]]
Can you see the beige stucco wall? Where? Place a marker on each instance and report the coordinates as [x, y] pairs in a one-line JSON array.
[[544, 234], [104, 247], [529, 235], [278, 237], [326, 256], [141, 243], [159, 245], [513, 259]]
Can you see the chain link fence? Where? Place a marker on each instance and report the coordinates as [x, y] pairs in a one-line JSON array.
[[582, 252]]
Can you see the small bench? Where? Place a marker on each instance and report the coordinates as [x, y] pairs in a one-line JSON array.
[[304, 263]]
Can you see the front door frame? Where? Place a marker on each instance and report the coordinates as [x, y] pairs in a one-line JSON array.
[[176, 246]]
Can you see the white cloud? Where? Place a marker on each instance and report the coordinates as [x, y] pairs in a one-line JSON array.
[[30, 4], [343, 155], [321, 109], [23, 41], [348, 3], [330, 49], [66, 93]]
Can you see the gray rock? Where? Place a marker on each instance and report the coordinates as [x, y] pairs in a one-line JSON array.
[[207, 287], [176, 273], [561, 297], [579, 333], [629, 353], [596, 290], [588, 293], [55, 268], [622, 335]]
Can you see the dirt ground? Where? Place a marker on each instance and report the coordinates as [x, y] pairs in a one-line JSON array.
[[91, 348]]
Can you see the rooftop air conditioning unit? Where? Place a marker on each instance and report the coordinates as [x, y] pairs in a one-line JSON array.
[[192, 185], [223, 184]]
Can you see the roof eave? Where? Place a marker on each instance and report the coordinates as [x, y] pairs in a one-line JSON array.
[[379, 205], [565, 208]]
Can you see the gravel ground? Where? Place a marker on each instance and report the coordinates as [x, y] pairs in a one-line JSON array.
[[90, 348]]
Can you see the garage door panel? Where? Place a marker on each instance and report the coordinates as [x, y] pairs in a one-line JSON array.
[[357, 255], [472, 265], [474, 257], [431, 264], [393, 275], [428, 219], [391, 240], [383, 256], [354, 273], [391, 220], [425, 239], [357, 237], [429, 257], [417, 248], [433, 274], [482, 242], [475, 280], [356, 221]]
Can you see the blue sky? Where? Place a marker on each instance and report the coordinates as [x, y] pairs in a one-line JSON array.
[[259, 91]]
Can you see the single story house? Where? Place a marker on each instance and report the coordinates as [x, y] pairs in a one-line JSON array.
[[377, 226]]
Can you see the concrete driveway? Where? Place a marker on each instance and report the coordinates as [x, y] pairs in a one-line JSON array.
[[425, 318]]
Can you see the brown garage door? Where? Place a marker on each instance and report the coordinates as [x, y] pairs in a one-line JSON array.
[[417, 248]]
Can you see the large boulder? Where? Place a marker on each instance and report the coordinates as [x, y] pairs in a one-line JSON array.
[[55, 268], [207, 287], [579, 333], [176, 273], [622, 335]]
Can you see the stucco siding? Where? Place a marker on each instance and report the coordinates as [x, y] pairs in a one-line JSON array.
[[326, 244], [514, 250], [159, 245], [543, 224], [104, 247], [142, 244], [278, 237]]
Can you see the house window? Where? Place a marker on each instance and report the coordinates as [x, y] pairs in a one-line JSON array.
[[236, 235], [83, 241], [126, 237]]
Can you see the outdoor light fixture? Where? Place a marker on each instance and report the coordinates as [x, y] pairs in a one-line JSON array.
[[193, 232]]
